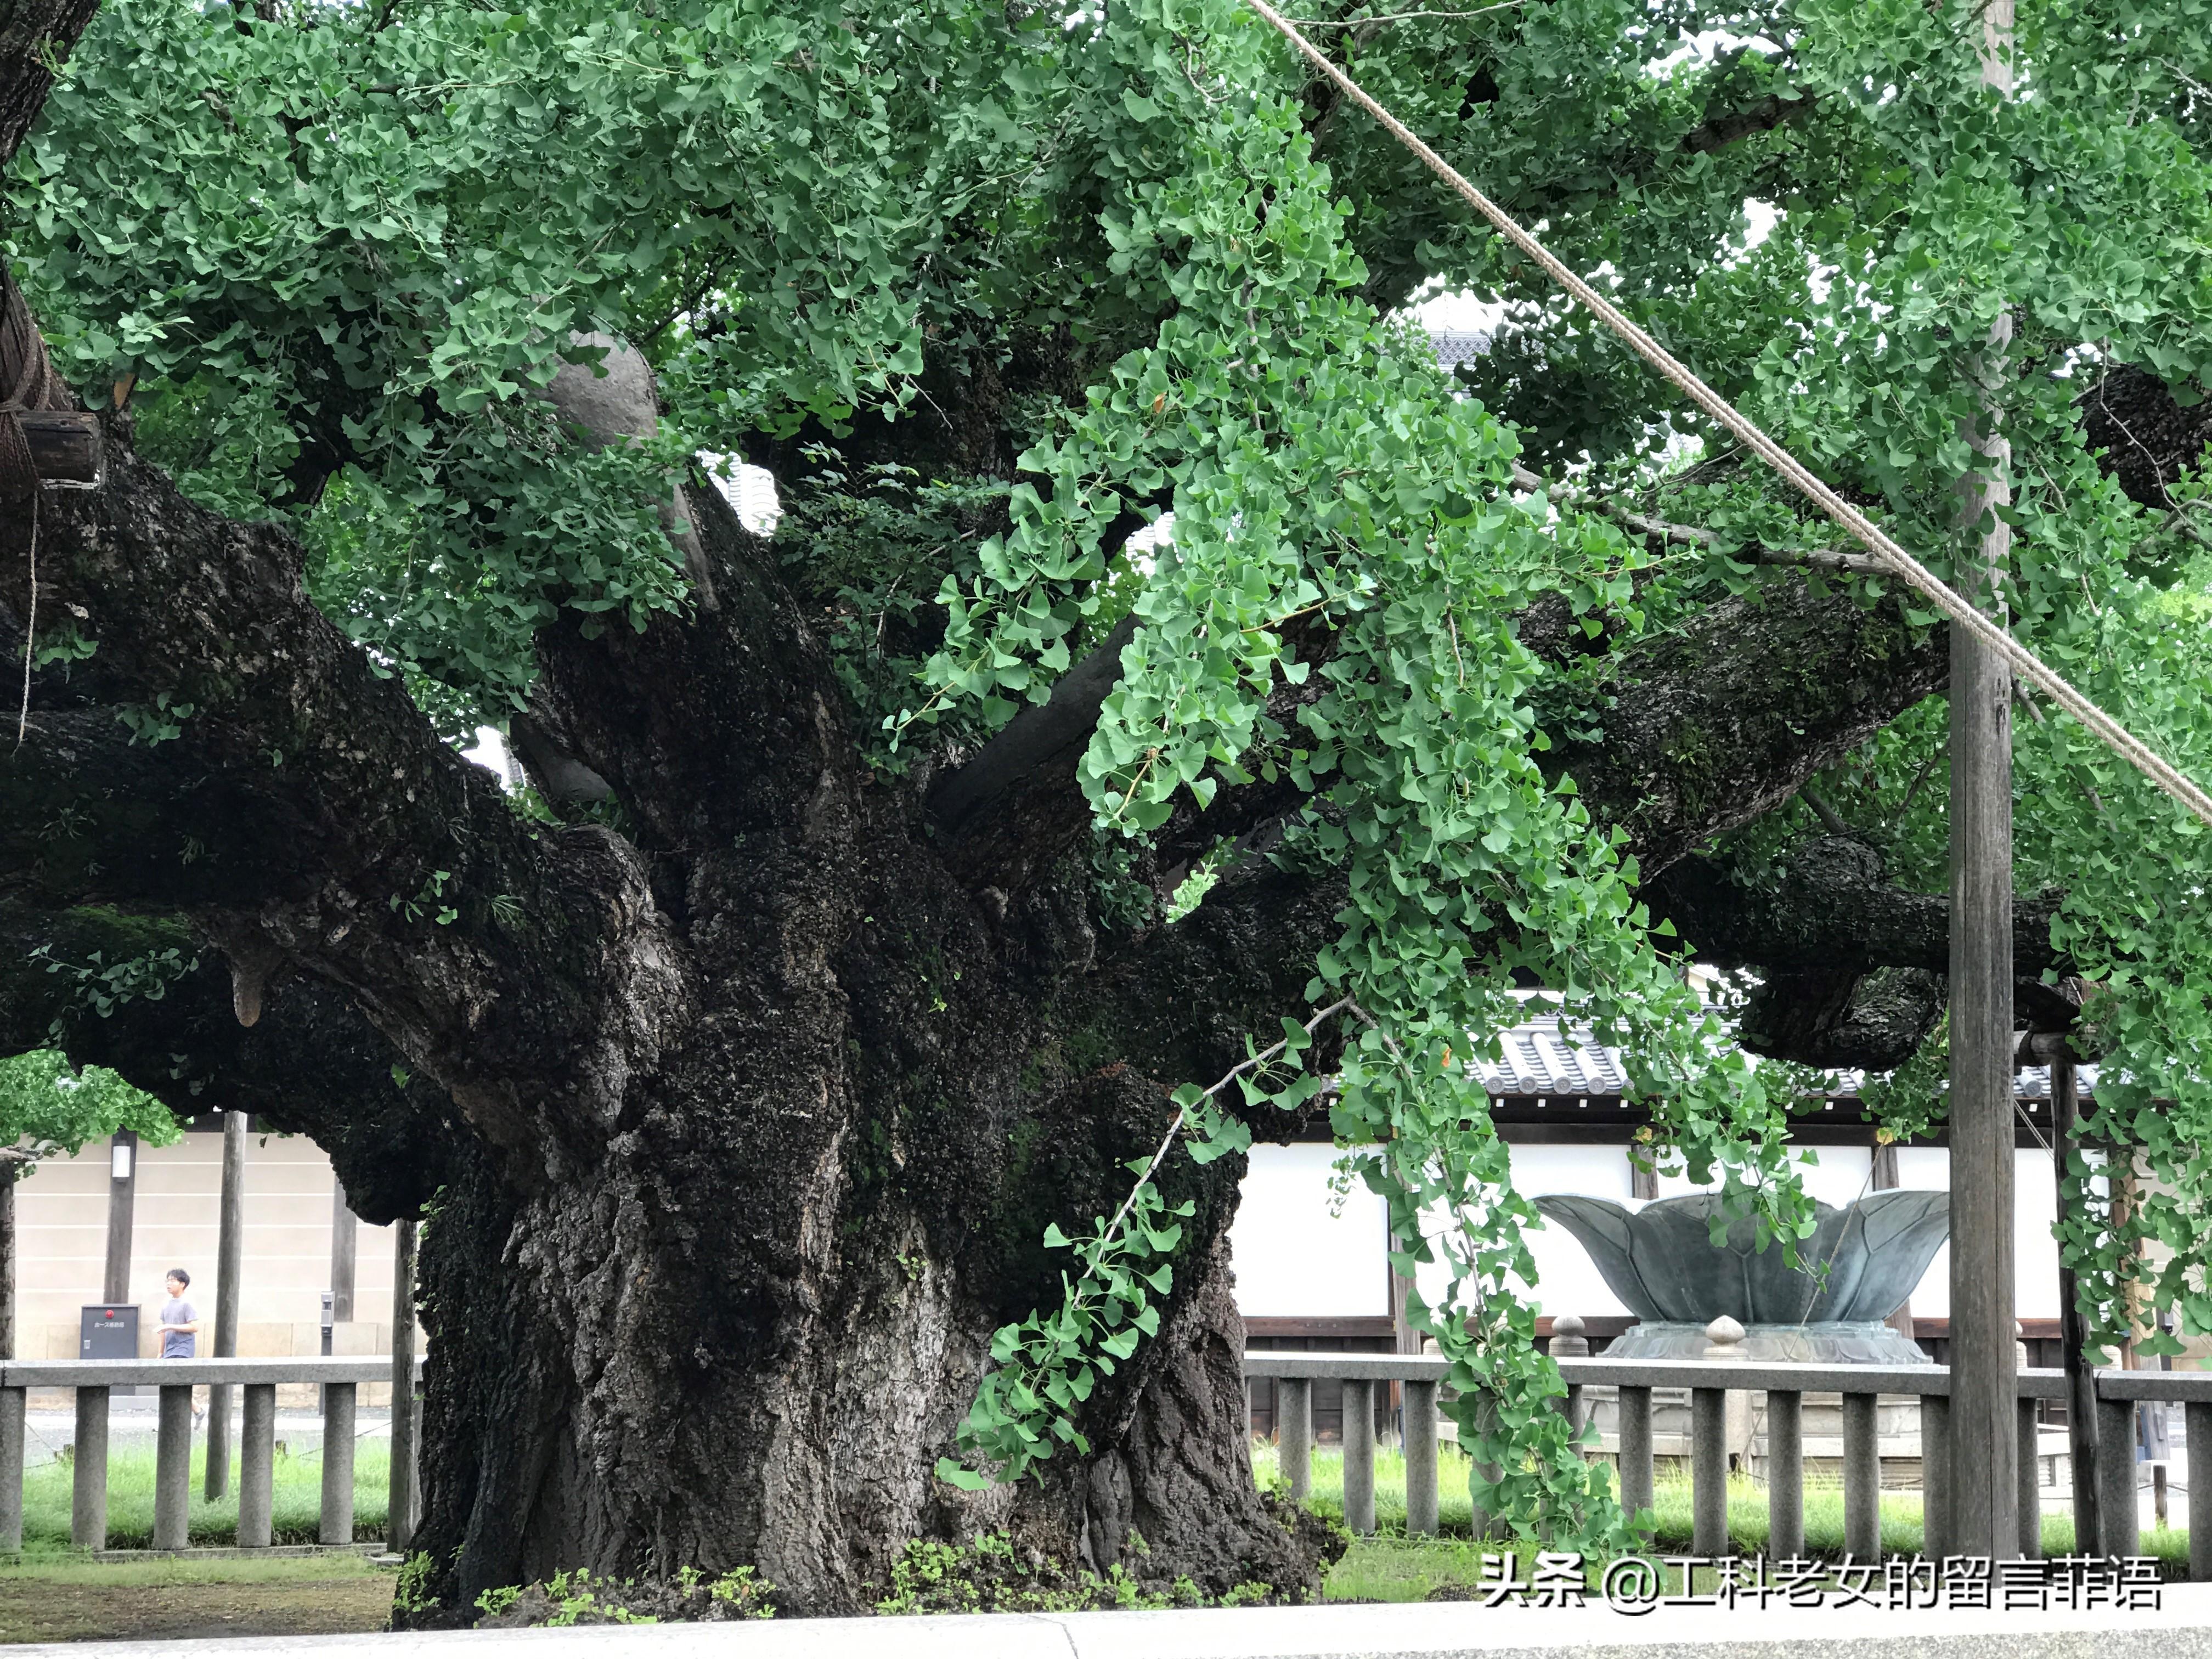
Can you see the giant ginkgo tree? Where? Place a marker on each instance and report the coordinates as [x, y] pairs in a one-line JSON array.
[[827, 1114]]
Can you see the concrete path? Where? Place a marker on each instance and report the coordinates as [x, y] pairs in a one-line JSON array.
[[2183, 1630]]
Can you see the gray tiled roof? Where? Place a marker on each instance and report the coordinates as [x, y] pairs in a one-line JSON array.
[[1459, 345], [1550, 1057]]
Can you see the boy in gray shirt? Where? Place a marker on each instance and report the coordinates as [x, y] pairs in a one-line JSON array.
[[180, 1320]]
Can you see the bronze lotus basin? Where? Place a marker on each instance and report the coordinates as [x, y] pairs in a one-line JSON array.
[[1661, 1261]]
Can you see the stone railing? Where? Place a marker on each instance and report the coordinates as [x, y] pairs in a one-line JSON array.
[[93, 1381], [1708, 1384]]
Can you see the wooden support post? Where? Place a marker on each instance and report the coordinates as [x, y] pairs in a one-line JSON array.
[[1635, 1412], [1984, 1378], [12, 1402], [257, 1465], [88, 1476], [2081, 1450], [229, 1254], [1785, 1474], [338, 1463], [2197, 1423], [1420, 1459], [1360, 1455], [172, 1469], [1709, 1528], [344, 1241], [1294, 1434], [1936, 1520], [121, 1192], [2031, 1484], [1862, 1478], [399, 1531]]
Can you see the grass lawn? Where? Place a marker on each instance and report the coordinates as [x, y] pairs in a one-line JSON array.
[[54, 1594], [295, 1514], [1392, 1567], [65, 1598]]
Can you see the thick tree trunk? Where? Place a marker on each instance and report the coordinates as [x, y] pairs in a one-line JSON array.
[[747, 1332], [621, 1401]]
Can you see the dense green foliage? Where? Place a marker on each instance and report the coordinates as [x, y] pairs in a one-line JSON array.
[[51, 1108], [339, 249]]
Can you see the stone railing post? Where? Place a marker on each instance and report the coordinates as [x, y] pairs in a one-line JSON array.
[[1568, 1342], [1785, 1473], [1359, 1454], [88, 1476], [338, 1463], [172, 1470], [2116, 1517], [1420, 1439], [1861, 1476], [2196, 1424], [12, 1401], [257, 1465], [1713, 1435], [1294, 1435], [1936, 1525], [1635, 1449]]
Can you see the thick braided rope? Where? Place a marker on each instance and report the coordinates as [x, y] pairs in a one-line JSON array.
[[1962, 613]]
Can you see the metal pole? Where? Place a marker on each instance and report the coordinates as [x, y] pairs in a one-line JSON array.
[[399, 1528], [2073, 1328], [230, 1244]]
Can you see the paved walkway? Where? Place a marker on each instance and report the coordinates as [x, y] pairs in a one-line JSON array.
[[2181, 1630]]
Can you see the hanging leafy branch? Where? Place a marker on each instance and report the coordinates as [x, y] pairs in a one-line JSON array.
[[1048, 1365]]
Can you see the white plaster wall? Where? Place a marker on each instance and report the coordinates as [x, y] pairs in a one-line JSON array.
[[2035, 1211], [1291, 1256]]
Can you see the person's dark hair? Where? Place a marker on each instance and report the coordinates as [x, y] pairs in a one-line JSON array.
[[179, 1272]]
